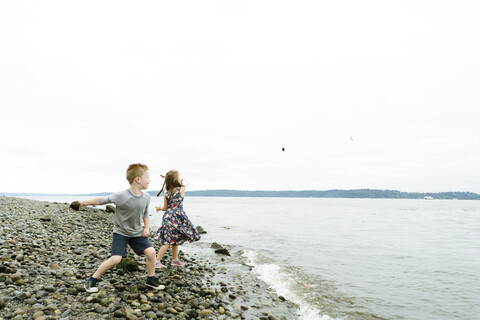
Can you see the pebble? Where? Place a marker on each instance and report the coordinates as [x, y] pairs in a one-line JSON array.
[[171, 310], [145, 307], [37, 314], [150, 315], [118, 314]]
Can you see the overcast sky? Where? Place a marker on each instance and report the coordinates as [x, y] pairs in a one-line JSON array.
[[361, 94]]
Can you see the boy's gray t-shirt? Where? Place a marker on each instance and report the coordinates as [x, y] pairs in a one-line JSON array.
[[130, 210]]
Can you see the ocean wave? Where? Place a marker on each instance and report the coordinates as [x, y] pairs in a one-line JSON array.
[[284, 284]]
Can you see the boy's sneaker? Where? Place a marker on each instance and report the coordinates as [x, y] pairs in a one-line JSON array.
[[91, 285], [177, 263], [159, 265], [153, 283]]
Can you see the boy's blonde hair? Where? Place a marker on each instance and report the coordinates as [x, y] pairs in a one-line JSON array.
[[136, 170]]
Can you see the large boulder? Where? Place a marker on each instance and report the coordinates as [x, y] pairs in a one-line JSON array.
[[219, 249]]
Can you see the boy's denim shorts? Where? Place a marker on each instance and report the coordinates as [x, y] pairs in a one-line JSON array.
[[119, 245]]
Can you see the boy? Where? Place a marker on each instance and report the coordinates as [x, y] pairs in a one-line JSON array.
[[131, 208]]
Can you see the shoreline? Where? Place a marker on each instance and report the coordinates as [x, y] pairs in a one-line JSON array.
[[47, 252], [314, 194]]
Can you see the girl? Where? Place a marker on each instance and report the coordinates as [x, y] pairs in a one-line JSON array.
[[176, 226]]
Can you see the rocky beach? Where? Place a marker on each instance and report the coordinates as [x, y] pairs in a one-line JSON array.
[[48, 251]]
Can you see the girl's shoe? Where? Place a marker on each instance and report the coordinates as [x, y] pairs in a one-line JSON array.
[[177, 263], [159, 265]]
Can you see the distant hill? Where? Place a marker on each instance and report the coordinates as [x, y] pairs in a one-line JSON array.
[[357, 193]]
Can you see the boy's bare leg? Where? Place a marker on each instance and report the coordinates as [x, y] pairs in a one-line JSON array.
[[162, 251], [150, 253], [174, 251], [107, 265]]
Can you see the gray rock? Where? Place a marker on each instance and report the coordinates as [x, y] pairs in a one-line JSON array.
[[41, 293], [191, 313], [46, 217], [216, 246], [72, 291], [50, 288], [201, 230], [222, 251], [145, 307], [150, 315], [118, 314], [20, 295], [171, 310], [219, 249], [66, 313]]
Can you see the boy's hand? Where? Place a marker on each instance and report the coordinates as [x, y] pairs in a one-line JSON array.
[[146, 232], [75, 205]]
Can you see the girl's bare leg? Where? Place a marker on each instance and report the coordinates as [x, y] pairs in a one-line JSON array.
[[162, 251], [174, 251]]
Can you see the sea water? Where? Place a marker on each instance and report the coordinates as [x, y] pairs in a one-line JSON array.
[[350, 258]]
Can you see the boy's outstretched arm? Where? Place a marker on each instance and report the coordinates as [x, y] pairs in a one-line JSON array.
[[76, 205], [90, 202]]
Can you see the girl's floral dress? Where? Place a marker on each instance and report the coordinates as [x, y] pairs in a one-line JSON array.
[[176, 226]]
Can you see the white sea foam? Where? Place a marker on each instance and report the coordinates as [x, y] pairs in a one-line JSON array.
[[283, 284]]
